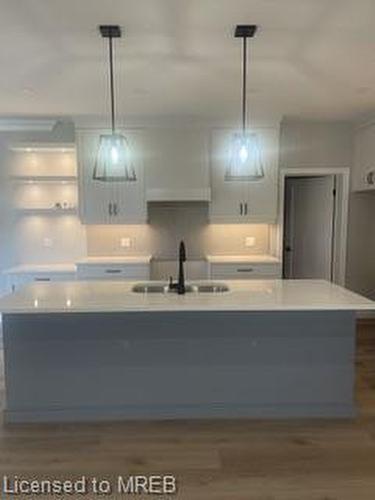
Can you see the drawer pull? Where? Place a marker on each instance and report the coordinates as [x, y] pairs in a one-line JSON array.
[[370, 178], [113, 271], [42, 279], [245, 270]]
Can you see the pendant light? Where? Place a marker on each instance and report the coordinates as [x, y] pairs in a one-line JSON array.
[[113, 160], [245, 158]]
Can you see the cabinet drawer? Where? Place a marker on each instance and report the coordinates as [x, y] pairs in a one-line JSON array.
[[245, 271], [113, 272], [40, 277], [17, 280]]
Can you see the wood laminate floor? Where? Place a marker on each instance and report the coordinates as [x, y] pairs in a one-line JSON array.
[[221, 460]]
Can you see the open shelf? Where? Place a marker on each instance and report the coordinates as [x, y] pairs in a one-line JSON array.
[[39, 147], [59, 179], [46, 211]]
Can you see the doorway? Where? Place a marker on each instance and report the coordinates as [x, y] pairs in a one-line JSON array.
[[314, 224]]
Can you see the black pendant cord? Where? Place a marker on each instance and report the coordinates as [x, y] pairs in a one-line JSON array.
[[244, 31], [112, 89], [244, 83]]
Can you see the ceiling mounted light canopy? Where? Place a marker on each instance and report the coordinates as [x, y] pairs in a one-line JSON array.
[[113, 159], [245, 158]]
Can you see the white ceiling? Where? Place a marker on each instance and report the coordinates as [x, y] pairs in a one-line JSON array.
[[311, 58]]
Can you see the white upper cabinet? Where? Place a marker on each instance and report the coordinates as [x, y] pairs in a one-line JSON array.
[[363, 176], [111, 202], [244, 201], [177, 165]]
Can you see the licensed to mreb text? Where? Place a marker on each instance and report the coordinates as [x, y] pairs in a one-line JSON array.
[[84, 485]]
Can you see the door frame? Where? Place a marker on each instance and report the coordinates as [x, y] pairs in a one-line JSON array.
[[341, 213]]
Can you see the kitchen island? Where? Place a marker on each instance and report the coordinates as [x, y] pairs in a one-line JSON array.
[[99, 351]]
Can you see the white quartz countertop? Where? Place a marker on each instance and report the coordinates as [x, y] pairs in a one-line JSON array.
[[243, 259], [249, 295], [41, 268]]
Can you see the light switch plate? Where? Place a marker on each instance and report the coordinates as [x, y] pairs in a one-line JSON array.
[[47, 242], [250, 241], [125, 242]]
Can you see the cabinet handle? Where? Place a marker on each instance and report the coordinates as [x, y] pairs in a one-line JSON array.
[[115, 211], [110, 210], [241, 209], [245, 270], [113, 271], [370, 178], [42, 279], [245, 208]]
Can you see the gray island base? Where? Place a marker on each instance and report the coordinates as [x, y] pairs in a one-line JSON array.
[[167, 365]]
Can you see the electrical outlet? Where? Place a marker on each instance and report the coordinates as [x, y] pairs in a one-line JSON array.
[[125, 242], [47, 242], [250, 241]]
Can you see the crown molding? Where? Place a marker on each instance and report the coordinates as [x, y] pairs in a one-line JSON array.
[[26, 124]]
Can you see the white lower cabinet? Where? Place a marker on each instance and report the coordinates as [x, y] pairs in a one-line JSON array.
[[96, 269], [244, 201], [232, 271], [17, 279], [110, 202], [163, 270], [136, 271]]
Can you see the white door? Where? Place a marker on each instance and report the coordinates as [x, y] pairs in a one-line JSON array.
[[309, 227]]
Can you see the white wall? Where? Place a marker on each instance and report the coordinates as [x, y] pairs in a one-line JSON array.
[[171, 222], [331, 144], [360, 275], [315, 144]]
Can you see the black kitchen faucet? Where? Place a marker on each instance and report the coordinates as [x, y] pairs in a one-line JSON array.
[[180, 285]]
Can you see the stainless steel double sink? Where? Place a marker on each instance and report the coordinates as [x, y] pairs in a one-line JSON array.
[[163, 288]]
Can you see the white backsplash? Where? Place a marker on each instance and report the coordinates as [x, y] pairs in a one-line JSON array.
[[171, 222]]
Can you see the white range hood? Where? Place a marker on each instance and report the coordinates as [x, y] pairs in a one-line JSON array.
[[203, 194], [177, 165]]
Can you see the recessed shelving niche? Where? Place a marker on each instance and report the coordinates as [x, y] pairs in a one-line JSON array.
[[46, 211], [44, 179]]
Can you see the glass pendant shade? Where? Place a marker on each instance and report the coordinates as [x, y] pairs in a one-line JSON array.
[[245, 159], [113, 160]]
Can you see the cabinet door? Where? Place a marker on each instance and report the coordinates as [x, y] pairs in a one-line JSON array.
[[109, 202], [227, 197], [240, 201], [363, 177]]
